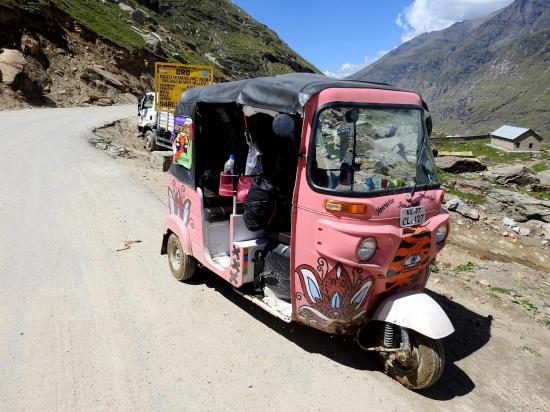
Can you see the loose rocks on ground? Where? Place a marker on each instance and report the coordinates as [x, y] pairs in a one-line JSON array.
[[518, 206], [510, 174], [454, 164]]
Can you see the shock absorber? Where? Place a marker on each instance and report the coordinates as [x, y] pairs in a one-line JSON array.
[[388, 335]]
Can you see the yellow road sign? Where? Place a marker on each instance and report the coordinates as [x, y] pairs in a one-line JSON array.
[[171, 79]]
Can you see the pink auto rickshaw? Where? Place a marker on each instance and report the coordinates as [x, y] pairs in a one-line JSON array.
[[318, 200]]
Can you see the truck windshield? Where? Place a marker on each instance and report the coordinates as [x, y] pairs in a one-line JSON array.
[[359, 150], [148, 101]]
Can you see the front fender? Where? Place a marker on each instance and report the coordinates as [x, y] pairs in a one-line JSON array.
[[175, 225], [416, 311]]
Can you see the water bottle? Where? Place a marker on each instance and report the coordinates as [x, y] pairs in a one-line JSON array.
[[229, 166], [227, 178]]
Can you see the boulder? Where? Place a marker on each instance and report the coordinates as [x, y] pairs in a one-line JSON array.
[[518, 206], [138, 16], [454, 164], [457, 205], [12, 62], [126, 7], [510, 174], [30, 46], [161, 160], [98, 73], [474, 187], [99, 100], [151, 39], [544, 177], [511, 224], [105, 101]]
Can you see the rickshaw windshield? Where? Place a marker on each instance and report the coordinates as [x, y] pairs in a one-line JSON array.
[[361, 150]]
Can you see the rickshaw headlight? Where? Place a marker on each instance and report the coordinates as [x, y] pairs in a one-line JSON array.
[[366, 249], [441, 233]]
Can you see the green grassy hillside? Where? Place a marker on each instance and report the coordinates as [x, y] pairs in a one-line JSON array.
[[197, 32]]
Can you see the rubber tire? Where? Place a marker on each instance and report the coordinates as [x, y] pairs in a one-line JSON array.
[[431, 362], [188, 264], [150, 141]]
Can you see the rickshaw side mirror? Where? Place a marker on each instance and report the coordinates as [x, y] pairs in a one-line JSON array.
[[352, 115], [283, 125], [429, 125]]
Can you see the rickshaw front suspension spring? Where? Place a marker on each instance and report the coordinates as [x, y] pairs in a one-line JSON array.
[[388, 335]]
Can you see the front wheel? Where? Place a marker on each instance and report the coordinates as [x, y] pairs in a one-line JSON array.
[[150, 141], [423, 368], [181, 264]]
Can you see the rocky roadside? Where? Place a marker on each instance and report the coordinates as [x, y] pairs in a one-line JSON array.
[[60, 63], [499, 247]]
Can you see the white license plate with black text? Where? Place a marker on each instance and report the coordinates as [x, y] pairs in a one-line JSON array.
[[412, 216]]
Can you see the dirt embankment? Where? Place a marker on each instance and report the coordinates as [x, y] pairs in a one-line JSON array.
[[50, 60]]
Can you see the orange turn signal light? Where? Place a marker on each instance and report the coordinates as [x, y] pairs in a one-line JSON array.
[[345, 207]]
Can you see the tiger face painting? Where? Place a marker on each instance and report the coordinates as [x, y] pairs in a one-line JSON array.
[[410, 265]]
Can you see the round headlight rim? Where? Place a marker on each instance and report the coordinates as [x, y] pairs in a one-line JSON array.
[[361, 245]]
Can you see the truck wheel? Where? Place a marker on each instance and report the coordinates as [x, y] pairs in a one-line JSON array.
[[150, 141], [423, 368], [181, 264]]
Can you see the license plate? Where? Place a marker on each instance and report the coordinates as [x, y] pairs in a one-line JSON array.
[[412, 216]]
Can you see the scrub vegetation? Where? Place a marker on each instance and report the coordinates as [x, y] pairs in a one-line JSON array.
[[528, 306], [466, 267], [539, 167], [491, 156], [482, 150], [106, 19]]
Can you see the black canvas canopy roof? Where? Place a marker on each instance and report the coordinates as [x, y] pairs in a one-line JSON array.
[[287, 93]]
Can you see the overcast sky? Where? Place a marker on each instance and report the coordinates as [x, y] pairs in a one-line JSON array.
[[344, 36]]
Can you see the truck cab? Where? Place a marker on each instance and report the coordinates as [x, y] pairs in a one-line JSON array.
[[155, 128]]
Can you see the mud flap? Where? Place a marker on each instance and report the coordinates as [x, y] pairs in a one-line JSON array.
[[416, 311], [164, 246]]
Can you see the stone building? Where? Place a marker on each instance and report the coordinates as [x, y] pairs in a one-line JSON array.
[[513, 138]]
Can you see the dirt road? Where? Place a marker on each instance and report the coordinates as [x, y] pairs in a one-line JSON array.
[[86, 327]]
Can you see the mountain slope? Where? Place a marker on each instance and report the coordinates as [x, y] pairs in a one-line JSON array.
[[124, 38], [478, 74]]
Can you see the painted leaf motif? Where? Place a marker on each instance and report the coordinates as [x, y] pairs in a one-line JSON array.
[[358, 298], [311, 284], [335, 301]]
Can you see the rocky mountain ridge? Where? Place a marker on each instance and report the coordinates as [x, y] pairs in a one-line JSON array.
[[477, 75], [65, 53]]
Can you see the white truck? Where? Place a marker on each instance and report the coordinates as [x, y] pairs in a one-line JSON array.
[[155, 128]]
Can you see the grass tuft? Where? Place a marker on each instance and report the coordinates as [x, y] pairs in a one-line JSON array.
[[466, 267]]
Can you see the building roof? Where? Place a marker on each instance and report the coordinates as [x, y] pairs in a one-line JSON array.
[[287, 93], [511, 132]]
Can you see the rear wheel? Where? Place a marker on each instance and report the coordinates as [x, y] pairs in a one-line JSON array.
[[423, 368], [150, 141], [181, 264]]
